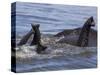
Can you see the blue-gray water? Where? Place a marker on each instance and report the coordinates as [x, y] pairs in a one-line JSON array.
[[60, 63], [53, 19]]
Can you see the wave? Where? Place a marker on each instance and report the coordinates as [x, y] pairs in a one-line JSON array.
[[53, 50], [38, 17]]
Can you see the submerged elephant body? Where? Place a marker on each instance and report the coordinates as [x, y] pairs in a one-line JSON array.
[[73, 35], [36, 40], [81, 37]]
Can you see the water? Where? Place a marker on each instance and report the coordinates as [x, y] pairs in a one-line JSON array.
[[52, 18], [66, 63]]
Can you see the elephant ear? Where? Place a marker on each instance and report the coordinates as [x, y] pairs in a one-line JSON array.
[[90, 21], [33, 27], [38, 25]]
